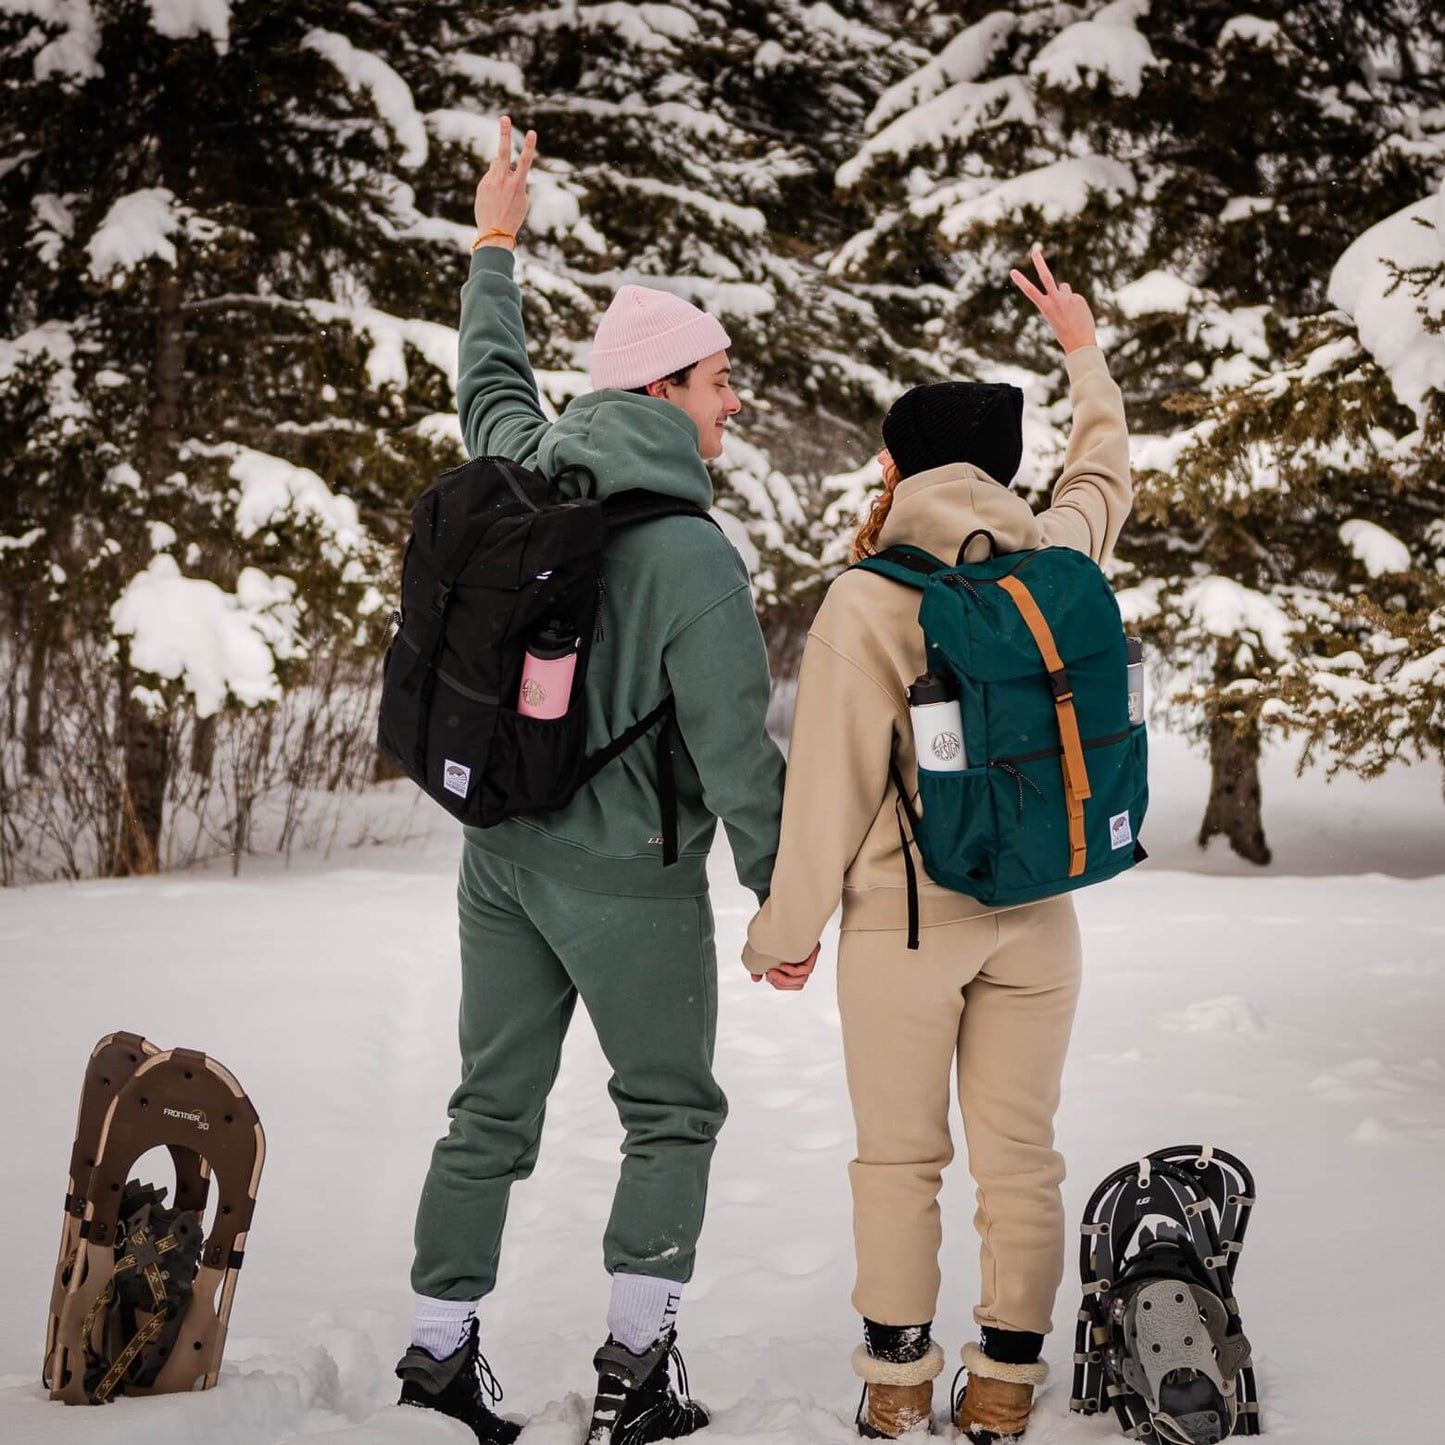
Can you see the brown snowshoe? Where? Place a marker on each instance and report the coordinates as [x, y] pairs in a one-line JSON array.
[[147, 1300], [112, 1062]]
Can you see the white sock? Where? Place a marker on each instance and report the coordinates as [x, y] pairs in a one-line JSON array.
[[642, 1310], [440, 1325]]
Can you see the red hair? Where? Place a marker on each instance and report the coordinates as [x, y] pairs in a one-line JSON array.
[[865, 543]]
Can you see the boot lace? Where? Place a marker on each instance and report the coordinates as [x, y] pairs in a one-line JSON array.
[[675, 1356], [955, 1395], [484, 1378]]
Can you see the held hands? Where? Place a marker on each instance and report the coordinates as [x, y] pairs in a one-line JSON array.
[[1067, 312], [502, 198], [791, 977]]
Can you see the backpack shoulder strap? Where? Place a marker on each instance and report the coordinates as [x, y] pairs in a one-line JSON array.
[[911, 566], [636, 505]]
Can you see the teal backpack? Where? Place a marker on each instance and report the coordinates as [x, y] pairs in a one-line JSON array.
[[1056, 783]]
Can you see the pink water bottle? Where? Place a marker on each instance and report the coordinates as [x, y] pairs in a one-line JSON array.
[[547, 672]]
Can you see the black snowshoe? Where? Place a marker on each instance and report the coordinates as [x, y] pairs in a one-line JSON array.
[[636, 1403], [1159, 1338]]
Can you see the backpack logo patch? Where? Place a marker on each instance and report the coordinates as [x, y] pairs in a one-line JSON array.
[[1120, 833], [456, 779]]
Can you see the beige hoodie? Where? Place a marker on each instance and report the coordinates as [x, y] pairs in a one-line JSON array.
[[840, 826]]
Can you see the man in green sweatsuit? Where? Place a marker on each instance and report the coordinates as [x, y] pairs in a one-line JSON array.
[[578, 902]]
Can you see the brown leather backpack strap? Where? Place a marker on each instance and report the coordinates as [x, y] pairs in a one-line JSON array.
[[1076, 772]]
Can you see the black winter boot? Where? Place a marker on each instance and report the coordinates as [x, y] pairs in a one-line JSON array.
[[455, 1386], [636, 1403]]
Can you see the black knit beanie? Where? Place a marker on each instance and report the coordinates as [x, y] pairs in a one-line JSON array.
[[957, 421]]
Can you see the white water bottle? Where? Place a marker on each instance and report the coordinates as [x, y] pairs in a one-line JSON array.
[[937, 725], [1136, 681]]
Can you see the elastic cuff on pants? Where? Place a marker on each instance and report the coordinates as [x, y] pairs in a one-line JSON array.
[[886, 1372], [900, 1343], [979, 1364], [1012, 1347]]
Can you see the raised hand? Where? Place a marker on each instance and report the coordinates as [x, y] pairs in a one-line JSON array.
[[502, 198], [791, 977], [1065, 311]]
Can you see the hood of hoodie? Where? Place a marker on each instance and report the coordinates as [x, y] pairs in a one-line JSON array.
[[937, 509], [626, 441]]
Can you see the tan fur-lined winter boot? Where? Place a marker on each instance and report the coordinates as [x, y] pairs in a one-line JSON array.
[[996, 1404], [899, 1397]]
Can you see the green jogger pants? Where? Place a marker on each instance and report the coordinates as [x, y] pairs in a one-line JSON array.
[[646, 971]]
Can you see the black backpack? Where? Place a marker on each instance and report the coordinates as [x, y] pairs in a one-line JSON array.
[[495, 555]]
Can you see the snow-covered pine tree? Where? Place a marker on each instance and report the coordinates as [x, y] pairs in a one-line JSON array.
[[1199, 172], [691, 146], [207, 403], [1343, 634], [1308, 125]]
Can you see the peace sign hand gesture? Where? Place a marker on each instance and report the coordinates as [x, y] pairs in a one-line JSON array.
[[1065, 311], [502, 198]]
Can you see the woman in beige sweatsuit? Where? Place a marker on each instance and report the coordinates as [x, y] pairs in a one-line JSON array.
[[992, 990]]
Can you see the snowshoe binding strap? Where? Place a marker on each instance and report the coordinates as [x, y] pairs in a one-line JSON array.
[[1159, 1338]]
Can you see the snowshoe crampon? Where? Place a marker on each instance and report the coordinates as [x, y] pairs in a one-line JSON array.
[[1159, 1339], [141, 1299]]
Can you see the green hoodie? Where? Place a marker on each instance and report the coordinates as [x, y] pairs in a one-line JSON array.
[[677, 619]]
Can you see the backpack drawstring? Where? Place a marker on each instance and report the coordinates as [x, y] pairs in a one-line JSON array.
[[1020, 779]]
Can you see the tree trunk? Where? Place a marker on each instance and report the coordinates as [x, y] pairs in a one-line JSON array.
[[35, 696], [145, 746], [1234, 808], [203, 746], [145, 740]]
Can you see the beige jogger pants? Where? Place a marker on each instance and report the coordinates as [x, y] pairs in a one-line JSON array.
[[998, 994]]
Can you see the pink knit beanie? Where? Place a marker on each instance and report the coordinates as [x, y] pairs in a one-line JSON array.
[[646, 335]]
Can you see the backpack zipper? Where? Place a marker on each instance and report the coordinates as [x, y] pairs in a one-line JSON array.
[[450, 681], [599, 635], [1107, 742]]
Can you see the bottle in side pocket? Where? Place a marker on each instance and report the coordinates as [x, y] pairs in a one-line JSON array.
[[937, 724], [548, 670], [1136, 681]]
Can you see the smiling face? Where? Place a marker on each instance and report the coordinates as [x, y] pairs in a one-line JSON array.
[[707, 397]]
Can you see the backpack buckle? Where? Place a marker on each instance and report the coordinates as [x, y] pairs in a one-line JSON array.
[[439, 602], [1060, 686]]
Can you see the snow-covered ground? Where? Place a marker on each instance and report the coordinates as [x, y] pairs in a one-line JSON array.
[[1293, 1015]]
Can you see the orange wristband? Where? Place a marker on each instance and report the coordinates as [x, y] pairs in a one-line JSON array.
[[495, 231]]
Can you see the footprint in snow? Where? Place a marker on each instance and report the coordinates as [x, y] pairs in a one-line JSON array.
[[1359, 1077], [741, 1191], [1406, 968], [1128, 1056], [819, 1139], [1229, 1014], [1372, 1131], [1217, 1099], [754, 1047]]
